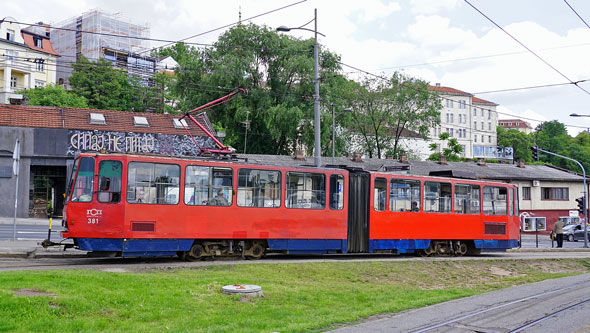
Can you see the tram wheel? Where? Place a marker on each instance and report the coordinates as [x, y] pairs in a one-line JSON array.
[[182, 255], [460, 249], [256, 251], [196, 252]]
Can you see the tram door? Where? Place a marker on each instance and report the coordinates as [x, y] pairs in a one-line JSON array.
[[358, 212]]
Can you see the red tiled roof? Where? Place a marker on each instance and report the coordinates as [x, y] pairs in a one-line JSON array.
[[481, 101], [448, 91], [79, 119], [513, 123], [46, 44]]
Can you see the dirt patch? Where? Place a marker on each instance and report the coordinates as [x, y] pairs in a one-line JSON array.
[[499, 271], [31, 292]]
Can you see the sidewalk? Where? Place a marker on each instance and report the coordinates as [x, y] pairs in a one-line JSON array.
[[33, 249]]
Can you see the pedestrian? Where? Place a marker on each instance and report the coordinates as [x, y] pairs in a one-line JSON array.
[[219, 200], [558, 232]]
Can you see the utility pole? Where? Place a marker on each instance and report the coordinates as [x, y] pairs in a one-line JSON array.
[[247, 125]]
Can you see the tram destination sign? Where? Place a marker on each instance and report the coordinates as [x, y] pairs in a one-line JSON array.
[[130, 142]]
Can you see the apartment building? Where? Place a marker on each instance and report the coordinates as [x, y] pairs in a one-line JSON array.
[[27, 60], [517, 124], [471, 120]]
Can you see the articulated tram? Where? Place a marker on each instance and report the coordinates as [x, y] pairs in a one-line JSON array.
[[140, 205]]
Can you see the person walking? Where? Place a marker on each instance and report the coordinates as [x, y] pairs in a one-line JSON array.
[[558, 232]]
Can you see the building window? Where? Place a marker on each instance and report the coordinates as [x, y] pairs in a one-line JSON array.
[[526, 193], [482, 139], [489, 139], [475, 125], [38, 42], [450, 103], [489, 114], [10, 35], [452, 130], [475, 138], [554, 193], [482, 112], [40, 65], [489, 125], [482, 126], [13, 81], [474, 111]]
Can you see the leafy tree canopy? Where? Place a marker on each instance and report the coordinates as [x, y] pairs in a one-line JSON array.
[[54, 96]]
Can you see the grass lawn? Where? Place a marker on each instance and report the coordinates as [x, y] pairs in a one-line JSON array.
[[298, 297]]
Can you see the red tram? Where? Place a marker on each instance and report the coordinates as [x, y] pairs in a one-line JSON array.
[[136, 205]]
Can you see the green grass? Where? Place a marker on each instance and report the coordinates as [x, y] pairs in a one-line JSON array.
[[298, 297]]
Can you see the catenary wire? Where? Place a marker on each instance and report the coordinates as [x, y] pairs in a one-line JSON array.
[[527, 48]]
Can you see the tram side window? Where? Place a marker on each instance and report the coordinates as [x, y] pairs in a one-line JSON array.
[[109, 181], [404, 195], [437, 197], [380, 194], [494, 200], [84, 184], [153, 183], [208, 186], [467, 199], [336, 192], [259, 188], [305, 190]]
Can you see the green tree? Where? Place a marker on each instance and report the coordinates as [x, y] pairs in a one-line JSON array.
[[277, 69], [451, 152], [552, 136], [106, 87], [519, 141], [53, 95], [384, 110]]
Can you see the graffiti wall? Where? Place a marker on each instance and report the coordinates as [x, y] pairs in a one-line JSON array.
[[129, 142]]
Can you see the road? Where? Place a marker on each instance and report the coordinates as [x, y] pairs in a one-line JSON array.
[[560, 305], [30, 232]]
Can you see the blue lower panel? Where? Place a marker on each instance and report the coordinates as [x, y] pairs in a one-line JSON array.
[[135, 247], [400, 245], [495, 243], [308, 245]]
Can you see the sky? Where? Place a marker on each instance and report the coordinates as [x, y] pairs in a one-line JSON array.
[[440, 41]]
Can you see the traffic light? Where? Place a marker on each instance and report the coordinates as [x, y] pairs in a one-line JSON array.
[[580, 202], [535, 153]]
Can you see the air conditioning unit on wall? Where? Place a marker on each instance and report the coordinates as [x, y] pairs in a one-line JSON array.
[[536, 183]]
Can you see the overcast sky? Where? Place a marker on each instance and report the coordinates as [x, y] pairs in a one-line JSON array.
[[429, 39]]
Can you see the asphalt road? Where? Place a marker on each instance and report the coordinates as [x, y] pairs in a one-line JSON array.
[[30, 232], [560, 305]]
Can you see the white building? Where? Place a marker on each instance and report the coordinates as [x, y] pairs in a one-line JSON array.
[[28, 60], [471, 120]]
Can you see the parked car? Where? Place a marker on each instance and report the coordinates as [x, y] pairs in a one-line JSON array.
[[569, 231]]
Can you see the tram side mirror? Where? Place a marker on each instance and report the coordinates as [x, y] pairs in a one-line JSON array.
[[105, 183]]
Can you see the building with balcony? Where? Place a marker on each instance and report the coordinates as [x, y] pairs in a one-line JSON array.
[[28, 60]]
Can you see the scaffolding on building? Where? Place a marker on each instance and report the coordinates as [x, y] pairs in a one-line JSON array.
[[93, 32]]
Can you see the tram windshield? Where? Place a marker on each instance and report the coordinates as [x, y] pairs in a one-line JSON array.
[[84, 182]]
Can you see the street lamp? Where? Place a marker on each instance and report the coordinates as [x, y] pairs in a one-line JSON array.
[[316, 97], [334, 127], [585, 199]]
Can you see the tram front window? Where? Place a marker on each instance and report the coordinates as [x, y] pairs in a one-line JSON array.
[[84, 183]]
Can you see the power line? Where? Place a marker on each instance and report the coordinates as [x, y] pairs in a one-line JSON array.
[[578, 15], [480, 57], [228, 25], [529, 87], [528, 49]]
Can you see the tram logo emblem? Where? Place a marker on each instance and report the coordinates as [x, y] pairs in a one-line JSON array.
[[94, 212]]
